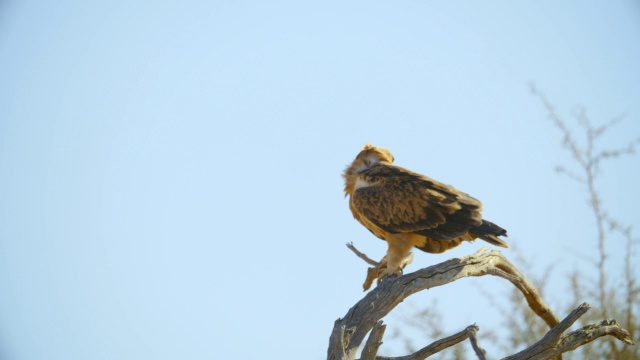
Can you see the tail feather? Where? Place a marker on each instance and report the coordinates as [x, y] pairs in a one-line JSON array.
[[489, 232]]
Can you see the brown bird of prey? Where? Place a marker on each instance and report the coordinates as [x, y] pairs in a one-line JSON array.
[[409, 210]]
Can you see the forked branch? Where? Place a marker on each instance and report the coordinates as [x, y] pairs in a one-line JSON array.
[[436, 346], [555, 342], [350, 331]]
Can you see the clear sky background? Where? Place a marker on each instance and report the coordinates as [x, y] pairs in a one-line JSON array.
[[170, 170]]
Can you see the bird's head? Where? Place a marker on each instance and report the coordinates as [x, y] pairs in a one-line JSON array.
[[368, 156]]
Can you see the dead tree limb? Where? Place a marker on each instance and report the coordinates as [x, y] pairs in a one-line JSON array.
[[350, 331], [434, 347], [361, 255], [555, 343], [480, 352], [370, 350]]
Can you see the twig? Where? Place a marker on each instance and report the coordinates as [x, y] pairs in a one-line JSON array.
[[433, 348], [362, 255], [480, 352]]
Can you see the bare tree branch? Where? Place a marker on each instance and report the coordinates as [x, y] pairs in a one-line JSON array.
[[374, 341], [567, 138], [337, 347], [349, 331], [480, 352], [434, 347], [564, 171], [361, 255], [555, 343], [390, 292], [598, 131]]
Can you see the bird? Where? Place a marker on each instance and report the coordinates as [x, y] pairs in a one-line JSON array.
[[408, 210]]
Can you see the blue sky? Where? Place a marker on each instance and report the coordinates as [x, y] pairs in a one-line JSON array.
[[170, 171]]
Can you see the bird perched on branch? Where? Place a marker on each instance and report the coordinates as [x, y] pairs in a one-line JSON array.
[[409, 210]]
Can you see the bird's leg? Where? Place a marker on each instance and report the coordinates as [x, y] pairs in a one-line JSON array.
[[398, 256], [374, 273], [407, 260], [382, 267]]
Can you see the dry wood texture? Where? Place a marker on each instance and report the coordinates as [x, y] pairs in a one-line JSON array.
[[349, 332]]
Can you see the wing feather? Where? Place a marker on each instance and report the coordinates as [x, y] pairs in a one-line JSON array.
[[399, 200]]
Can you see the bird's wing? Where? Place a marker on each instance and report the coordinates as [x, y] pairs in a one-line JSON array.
[[398, 200]]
